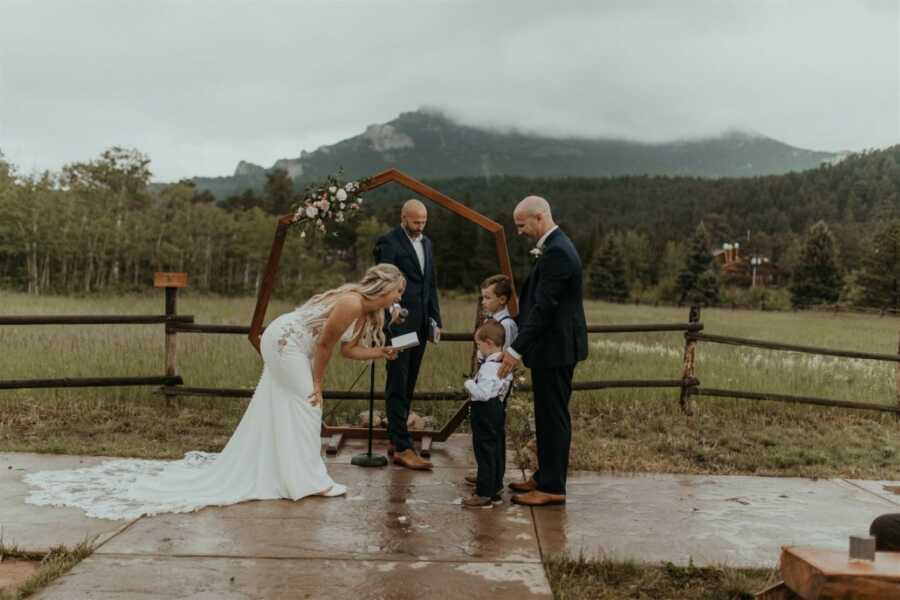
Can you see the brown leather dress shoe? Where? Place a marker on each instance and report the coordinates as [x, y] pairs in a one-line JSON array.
[[523, 486], [538, 498], [408, 459]]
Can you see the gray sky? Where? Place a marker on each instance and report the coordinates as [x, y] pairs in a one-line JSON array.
[[199, 85]]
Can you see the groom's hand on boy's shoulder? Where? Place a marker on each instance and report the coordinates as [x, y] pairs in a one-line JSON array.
[[508, 363]]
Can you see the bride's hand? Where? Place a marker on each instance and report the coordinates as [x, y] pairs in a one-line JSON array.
[[315, 399], [388, 353]]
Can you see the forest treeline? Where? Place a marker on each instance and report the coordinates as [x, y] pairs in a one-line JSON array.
[[831, 233]]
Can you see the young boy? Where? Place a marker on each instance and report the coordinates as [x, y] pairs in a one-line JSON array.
[[488, 392], [496, 291]]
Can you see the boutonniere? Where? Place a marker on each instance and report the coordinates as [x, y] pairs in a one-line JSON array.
[[536, 253]]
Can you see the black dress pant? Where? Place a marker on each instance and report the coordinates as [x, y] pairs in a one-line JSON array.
[[553, 425], [488, 421], [402, 374], [886, 530]]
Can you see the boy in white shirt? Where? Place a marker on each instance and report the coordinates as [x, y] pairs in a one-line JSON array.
[[488, 392], [496, 291]]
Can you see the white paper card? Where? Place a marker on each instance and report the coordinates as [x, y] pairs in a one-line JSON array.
[[407, 340]]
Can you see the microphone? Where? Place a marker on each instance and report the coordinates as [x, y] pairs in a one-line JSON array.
[[399, 313]]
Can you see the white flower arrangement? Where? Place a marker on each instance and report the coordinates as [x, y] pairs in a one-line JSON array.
[[329, 202]]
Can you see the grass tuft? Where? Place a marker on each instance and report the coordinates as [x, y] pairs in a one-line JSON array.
[[606, 579], [57, 562]]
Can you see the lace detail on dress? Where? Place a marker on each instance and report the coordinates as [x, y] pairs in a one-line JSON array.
[[102, 490], [305, 325]]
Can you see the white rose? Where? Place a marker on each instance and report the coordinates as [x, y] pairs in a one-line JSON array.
[[332, 189], [339, 217], [311, 212], [350, 186], [341, 195], [343, 205]]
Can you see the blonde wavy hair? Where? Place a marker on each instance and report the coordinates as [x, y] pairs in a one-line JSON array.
[[381, 279]]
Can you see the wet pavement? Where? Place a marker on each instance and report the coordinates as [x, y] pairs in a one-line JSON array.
[[36, 528], [730, 520], [403, 534]]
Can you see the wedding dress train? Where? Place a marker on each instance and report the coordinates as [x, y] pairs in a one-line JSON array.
[[273, 453]]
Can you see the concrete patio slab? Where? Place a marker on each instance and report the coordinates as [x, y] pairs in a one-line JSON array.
[[376, 524], [739, 521], [37, 528], [403, 534], [888, 490], [102, 577]]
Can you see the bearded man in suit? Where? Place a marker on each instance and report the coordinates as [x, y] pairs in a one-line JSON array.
[[407, 247], [552, 340]]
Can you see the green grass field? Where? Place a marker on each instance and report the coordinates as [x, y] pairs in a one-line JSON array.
[[617, 430], [604, 579]]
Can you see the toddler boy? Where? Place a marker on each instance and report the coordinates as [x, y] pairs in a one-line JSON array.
[[487, 392]]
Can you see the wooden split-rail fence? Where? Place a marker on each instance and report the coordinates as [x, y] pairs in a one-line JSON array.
[[171, 384]]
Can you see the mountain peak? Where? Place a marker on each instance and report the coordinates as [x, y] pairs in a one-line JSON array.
[[244, 169], [428, 143]]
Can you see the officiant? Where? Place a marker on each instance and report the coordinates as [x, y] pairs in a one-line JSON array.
[[407, 247]]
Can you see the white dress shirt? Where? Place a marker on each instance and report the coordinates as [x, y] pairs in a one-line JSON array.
[[540, 242], [419, 247], [486, 384], [509, 326]]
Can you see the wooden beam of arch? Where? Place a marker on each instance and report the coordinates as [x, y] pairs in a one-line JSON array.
[[385, 177]]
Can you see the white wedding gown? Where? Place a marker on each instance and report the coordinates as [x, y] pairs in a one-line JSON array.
[[273, 453]]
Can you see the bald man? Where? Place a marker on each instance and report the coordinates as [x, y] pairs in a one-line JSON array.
[[407, 247], [552, 340]]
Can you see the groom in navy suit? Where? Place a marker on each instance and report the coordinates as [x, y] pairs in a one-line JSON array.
[[407, 247], [552, 339]]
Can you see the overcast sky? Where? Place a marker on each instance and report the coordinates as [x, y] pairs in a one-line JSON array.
[[199, 85]]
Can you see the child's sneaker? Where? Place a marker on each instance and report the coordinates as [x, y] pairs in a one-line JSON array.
[[474, 501]]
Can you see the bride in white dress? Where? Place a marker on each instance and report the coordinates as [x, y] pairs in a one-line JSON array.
[[275, 452]]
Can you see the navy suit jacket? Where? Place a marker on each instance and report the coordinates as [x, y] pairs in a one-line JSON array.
[[552, 327], [420, 296]]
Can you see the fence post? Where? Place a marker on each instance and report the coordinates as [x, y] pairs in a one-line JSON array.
[[687, 366], [171, 282], [897, 377]]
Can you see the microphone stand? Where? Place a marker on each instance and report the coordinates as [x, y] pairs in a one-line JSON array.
[[368, 459]]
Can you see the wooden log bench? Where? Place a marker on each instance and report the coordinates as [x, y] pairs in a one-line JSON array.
[[814, 574]]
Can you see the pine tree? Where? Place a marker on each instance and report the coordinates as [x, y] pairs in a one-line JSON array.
[[279, 192], [607, 273], [817, 278], [880, 276], [699, 281]]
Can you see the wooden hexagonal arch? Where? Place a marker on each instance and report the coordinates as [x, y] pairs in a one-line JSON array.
[[389, 176]]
